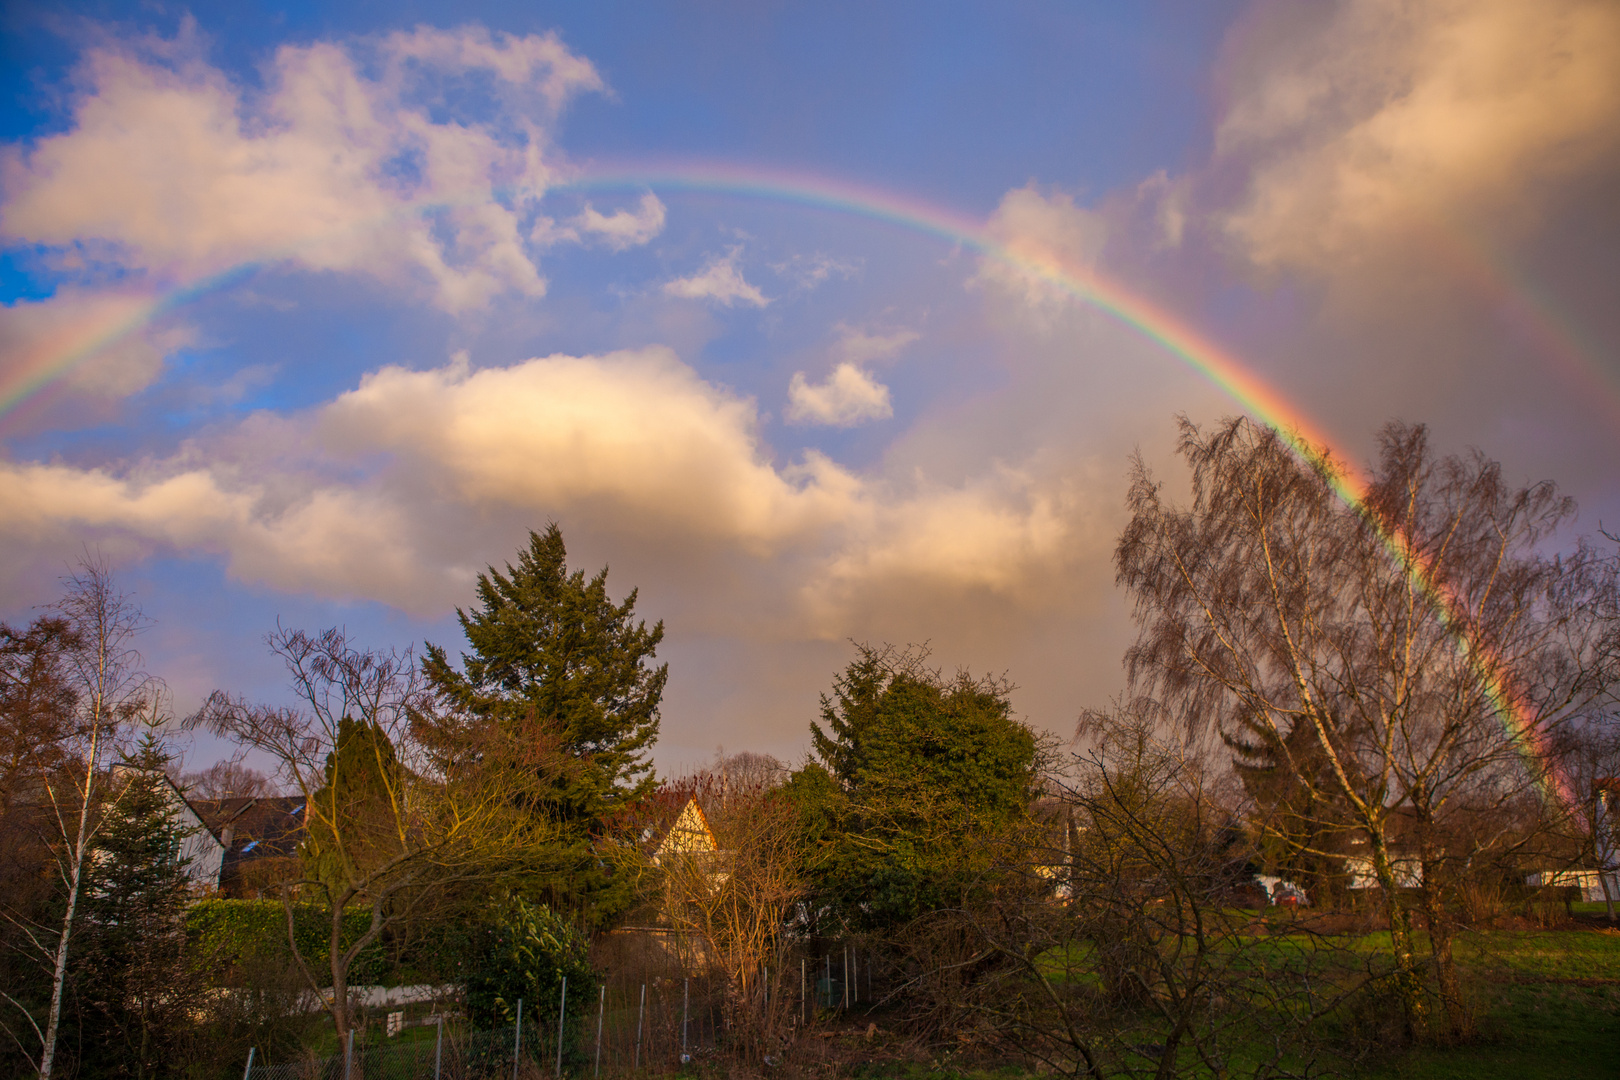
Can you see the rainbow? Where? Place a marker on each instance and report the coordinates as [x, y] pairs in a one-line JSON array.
[[1530, 311], [1252, 395]]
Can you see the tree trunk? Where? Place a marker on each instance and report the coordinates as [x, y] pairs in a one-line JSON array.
[[47, 1054], [1407, 981], [1445, 965], [340, 976]]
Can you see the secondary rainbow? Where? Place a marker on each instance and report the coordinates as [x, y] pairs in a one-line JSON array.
[[1152, 320]]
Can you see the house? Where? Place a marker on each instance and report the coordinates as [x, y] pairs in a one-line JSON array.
[[200, 848], [260, 838], [1590, 882], [1408, 872], [688, 835], [238, 846]]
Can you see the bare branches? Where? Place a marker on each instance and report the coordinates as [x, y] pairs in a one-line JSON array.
[[1389, 664], [1113, 945], [110, 690], [398, 808]]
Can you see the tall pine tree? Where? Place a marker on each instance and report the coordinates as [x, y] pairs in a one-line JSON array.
[[556, 662]]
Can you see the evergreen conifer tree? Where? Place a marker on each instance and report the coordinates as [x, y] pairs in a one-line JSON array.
[[132, 982], [913, 775], [554, 661], [362, 775]]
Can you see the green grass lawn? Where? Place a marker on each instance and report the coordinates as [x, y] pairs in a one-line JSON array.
[[1529, 1031], [1547, 1004]]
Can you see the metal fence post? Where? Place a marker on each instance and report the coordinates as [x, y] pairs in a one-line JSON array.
[[846, 976], [517, 1040], [562, 1007], [641, 1011], [438, 1049], [348, 1055], [601, 1007], [686, 1011], [247, 1073], [804, 1017]]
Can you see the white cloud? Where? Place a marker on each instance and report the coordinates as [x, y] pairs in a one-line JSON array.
[[391, 491], [624, 228], [720, 281], [858, 346], [850, 396], [808, 271], [1373, 120], [1044, 236], [636, 434], [619, 230], [171, 169], [1013, 532]]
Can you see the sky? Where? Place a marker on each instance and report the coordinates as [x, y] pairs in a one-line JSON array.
[[815, 323]]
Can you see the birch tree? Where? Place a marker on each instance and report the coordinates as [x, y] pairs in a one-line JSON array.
[[1398, 657], [110, 689]]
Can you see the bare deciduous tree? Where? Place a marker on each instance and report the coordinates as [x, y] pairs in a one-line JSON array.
[[1113, 944], [1394, 654], [737, 899], [1589, 754], [228, 779]]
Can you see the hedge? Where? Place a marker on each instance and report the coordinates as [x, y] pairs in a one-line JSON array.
[[230, 932]]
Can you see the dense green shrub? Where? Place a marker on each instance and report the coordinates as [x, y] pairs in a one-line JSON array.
[[525, 954]]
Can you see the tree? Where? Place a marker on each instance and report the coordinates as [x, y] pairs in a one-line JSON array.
[[1390, 653], [132, 968], [37, 715], [524, 955], [101, 675], [398, 813], [1112, 944], [228, 779], [553, 655], [737, 899], [37, 702], [1589, 753], [910, 773]]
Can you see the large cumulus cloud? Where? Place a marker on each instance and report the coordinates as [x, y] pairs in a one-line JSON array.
[[349, 160], [1364, 123], [391, 491]]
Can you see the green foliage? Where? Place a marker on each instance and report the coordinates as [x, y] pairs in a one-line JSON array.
[[362, 777], [525, 955], [130, 969], [913, 773], [555, 661], [236, 933]]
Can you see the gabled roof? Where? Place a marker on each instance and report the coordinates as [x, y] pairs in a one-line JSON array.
[[689, 834]]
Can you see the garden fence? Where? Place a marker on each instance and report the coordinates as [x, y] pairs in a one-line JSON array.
[[634, 1022]]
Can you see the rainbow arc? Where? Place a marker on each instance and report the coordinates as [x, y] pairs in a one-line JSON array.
[[1250, 392]]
